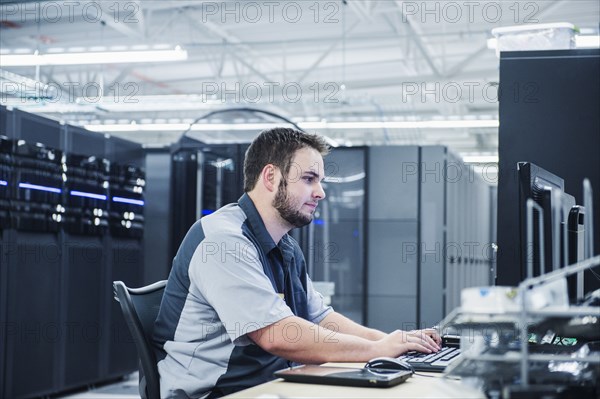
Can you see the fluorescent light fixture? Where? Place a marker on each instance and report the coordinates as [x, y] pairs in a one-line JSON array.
[[139, 127], [345, 179], [40, 188], [88, 195], [354, 193], [431, 124], [3, 183], [85, 58], [587, 41], [480, 159], [128, 201], [164, 127]]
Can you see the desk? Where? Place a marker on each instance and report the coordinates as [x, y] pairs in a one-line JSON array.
[[417, 386]]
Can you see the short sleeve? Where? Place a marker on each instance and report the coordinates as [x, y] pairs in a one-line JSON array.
[[317, 310], [229, 274]]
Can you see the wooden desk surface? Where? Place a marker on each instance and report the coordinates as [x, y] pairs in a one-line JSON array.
[[417, 386]]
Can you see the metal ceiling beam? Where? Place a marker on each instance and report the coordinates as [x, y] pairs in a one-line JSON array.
[[360, 8], [460, 66], [165, 24], [119, 26], [232, 39], [416, 35], [325, 54]]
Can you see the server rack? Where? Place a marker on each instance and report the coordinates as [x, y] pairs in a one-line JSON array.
[[60, 327], [33, 267], [548, 116], [429, 234]]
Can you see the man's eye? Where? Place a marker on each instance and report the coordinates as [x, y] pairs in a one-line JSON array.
[[308, 179]]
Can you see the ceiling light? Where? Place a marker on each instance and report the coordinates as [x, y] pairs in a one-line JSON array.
[[480, 158], [431, 124], [587, 41], [84, 58]]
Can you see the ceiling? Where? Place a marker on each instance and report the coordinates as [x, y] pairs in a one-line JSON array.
[[324, 61]]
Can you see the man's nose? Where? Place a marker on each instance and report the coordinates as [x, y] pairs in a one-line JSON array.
[[319, 192]]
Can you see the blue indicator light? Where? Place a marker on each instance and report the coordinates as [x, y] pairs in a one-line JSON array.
[[3, 183], [128, 201], [89, 195], [40, 188], [207, 211], [319, 222]]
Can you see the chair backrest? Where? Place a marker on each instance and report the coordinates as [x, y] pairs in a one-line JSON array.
[[140, 308]]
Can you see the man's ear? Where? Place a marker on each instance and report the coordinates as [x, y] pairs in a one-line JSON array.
[[269, 177]]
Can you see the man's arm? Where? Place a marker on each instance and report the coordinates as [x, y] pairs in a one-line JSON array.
[[299, 340], [340, 323]]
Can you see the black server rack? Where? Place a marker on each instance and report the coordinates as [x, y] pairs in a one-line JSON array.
[[86, 194], [85, 224], [59, 325], [334, 244], [33, 265], [126, 224], [6, 172], [204, 178], [548, 116], [6, 180]]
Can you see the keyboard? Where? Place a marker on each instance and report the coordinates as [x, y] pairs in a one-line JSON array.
[[433, 362]]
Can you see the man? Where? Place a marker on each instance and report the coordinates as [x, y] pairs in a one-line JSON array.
[[239, 304]]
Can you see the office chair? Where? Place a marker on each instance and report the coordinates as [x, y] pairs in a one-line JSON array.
[[140, 309]]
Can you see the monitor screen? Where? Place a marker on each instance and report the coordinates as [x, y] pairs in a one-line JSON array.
[[539, 185]]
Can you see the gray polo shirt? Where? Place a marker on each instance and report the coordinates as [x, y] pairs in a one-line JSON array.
[[229, 278]]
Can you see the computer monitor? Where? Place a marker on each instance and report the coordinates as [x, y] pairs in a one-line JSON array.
[[562, 220], [538, 184]]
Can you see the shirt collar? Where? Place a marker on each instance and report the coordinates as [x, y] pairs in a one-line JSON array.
[[256, 224]]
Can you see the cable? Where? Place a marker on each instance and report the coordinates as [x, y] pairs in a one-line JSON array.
[[241, 109]]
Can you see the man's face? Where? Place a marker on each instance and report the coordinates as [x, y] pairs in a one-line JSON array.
[[298, 195]]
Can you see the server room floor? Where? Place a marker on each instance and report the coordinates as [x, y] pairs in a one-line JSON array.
[[124, 389]]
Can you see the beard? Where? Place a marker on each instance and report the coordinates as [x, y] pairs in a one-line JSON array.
[[288, 209]]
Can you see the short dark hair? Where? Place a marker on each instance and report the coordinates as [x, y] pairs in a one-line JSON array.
[[277, 146]]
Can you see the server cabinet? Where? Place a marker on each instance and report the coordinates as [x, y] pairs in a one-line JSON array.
[[125, 260], [204, 178], [393, 187], [435, 177], [34, 265], [158, 226], [6, 180], [57, 257], [6, 172], [126, 257], [428, 235], [32, 313], [549, 116], [81, 299], [219, 182], [184, 186], [333, 244], [86, 199], [36, 129]]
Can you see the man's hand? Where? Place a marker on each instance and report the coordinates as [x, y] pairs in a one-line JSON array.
[[399, 342], [429, 332]]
